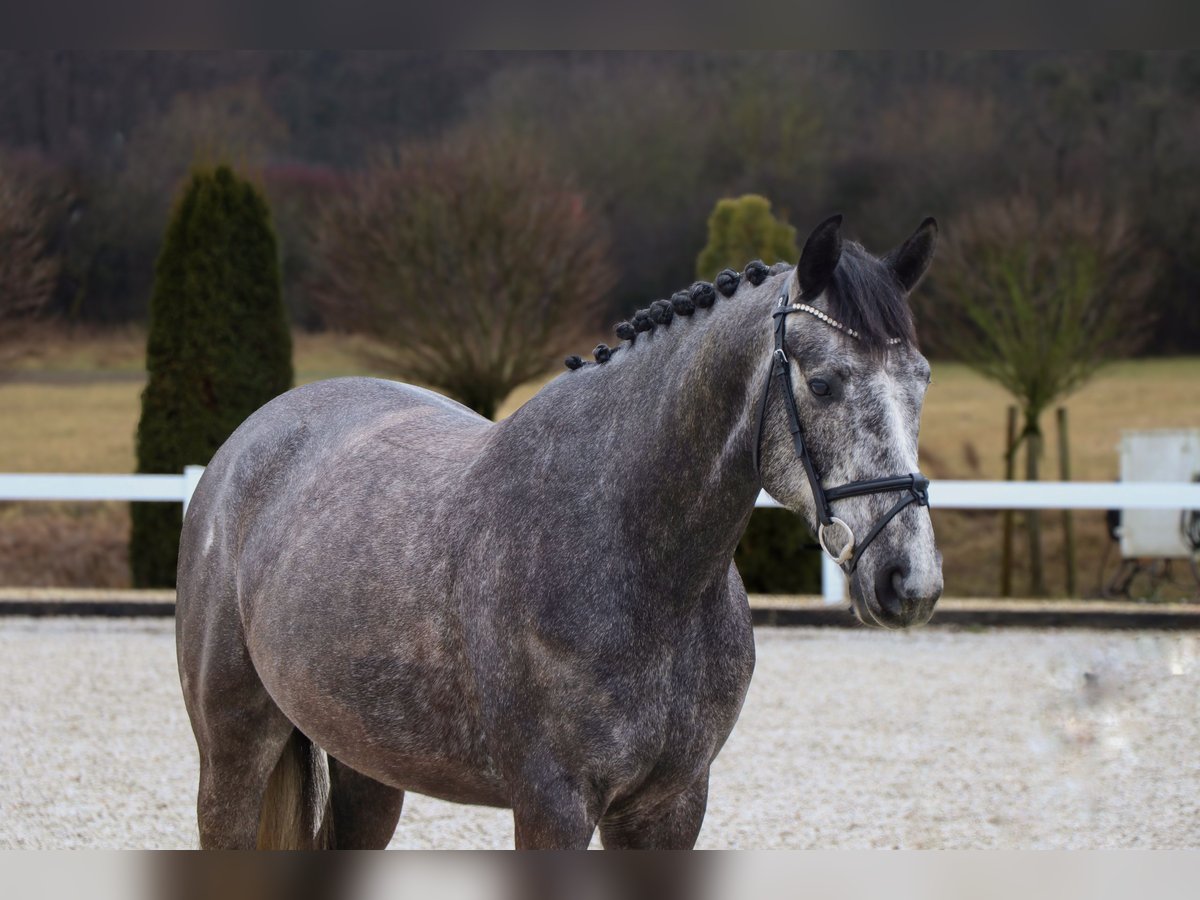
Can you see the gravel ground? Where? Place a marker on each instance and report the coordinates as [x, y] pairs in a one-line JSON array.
[[849, 738]]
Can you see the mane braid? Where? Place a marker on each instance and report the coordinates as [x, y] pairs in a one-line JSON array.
[[701, 295]]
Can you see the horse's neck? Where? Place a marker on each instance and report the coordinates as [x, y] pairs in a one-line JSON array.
[[662, 435]]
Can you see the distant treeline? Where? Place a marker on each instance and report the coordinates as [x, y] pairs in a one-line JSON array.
[[651, 140]]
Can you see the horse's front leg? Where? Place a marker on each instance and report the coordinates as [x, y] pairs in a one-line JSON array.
[[670, 826], [552, 809]]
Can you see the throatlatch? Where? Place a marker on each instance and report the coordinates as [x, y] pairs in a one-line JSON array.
[[914, 485]]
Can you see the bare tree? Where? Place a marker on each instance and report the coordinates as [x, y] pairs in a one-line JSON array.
[[1037, 300], [28, 273], [468, 259], [232, 123]]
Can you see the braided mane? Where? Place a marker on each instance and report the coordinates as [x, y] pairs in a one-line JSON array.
[[701, 295], [863, 294]]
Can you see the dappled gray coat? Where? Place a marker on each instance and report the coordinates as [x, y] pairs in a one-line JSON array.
[[540, 613]]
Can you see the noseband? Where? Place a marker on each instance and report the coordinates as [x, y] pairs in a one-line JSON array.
[[915, 485]]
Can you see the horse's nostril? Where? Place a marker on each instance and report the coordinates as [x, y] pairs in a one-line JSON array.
[[887, 592]]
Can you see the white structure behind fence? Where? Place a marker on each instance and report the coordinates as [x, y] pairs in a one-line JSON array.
[[942, 495]]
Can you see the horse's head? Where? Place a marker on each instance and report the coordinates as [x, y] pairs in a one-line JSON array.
[[851, 364]]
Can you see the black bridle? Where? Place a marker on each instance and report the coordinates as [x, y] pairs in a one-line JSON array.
[[914, 485]]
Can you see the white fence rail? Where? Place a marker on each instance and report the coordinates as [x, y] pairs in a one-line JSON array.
[[942, 494], [164, 488], [1031, 495]]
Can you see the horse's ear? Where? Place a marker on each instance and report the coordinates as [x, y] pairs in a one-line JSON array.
[[820, 257], [909, 261]]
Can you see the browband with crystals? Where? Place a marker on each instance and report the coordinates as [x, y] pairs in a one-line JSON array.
[[830, 321]]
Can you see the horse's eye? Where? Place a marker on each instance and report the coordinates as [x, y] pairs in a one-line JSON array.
[[819, 387]]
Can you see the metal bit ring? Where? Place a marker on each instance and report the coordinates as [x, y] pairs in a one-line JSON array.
[[847, 550]]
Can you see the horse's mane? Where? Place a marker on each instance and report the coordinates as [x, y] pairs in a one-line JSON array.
[[863, 294]]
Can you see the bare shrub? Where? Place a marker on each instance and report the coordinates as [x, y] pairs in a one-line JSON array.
[[28, 271], [1037, 300], [469, 259]]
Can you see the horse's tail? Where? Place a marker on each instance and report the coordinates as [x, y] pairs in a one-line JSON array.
[[296, 808]]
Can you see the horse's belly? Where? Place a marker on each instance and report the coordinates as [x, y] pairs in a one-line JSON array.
[[397, 711], [407, 746], [444, 779]]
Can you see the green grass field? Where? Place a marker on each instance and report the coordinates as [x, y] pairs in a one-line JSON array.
[[73, 407]]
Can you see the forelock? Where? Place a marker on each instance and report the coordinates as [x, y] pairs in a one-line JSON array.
[[865, 296]]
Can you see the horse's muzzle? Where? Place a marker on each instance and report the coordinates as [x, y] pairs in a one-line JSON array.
[[892, 598]]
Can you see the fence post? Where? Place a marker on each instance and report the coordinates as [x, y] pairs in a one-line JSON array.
[[1006, 541], [1064, 474], [833, 582], [191, 477]]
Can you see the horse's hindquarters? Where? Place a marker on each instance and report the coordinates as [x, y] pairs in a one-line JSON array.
[[311, 594]]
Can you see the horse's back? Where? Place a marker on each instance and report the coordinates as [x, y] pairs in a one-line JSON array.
[[343, 436]]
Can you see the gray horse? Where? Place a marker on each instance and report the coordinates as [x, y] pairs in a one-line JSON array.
[[542, 613]]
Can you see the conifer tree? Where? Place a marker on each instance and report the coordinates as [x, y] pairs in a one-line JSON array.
[[218, 347], [741, 230]]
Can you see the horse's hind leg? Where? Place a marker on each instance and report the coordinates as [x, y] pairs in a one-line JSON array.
[[241, 740], [365, 811], [240, 732]]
